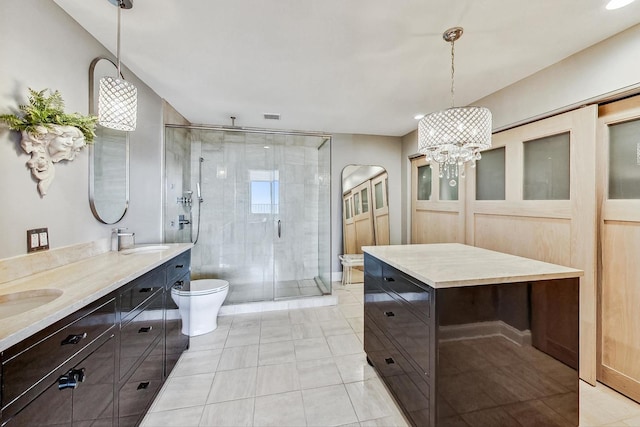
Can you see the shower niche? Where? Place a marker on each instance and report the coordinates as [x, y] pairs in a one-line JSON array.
[[258, 209]]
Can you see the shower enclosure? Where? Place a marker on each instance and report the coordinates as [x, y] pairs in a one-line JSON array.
[[257, 204]]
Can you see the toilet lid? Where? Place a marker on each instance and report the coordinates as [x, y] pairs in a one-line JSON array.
[[203, 287]]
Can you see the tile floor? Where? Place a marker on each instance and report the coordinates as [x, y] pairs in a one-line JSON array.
[[305, 367]]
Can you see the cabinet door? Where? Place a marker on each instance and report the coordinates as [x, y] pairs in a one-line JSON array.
[[89, 404]]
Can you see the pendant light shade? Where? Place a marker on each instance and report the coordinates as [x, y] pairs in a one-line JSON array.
[[117, 104], [118, 98], [456, 135]]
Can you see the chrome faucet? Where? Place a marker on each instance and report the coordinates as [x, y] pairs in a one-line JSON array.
[[120, 239]]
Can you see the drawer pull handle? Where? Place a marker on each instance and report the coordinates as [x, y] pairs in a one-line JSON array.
[[71, 379], [143, 386], [180, 266], [389, 279], [144, 290], [145, 329], [389, 313], [389, 361], [73, 339]]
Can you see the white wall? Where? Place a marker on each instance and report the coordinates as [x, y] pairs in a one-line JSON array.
[[42, 47], [347, 149], [607, 67]]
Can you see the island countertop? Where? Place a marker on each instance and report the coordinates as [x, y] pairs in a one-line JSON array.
[[448, 265], [81, 283]]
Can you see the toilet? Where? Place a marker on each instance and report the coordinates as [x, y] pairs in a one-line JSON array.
[[199, 303]]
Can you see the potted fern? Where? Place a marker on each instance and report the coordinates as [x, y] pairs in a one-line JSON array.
[[46, 112], [49, 134]]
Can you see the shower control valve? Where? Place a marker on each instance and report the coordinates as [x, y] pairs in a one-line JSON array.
[[182, 221]]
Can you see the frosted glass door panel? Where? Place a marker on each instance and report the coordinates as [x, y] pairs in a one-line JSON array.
[[624, 160], [365, 200], [379, 200], [424, 182], [490, 176], [546, 168], [448, 191]]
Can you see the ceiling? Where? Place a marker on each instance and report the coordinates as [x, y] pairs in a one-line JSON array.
[[340, 66]]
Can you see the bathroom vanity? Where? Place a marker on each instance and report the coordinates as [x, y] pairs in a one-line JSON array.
[[466, 336], [98, 353]]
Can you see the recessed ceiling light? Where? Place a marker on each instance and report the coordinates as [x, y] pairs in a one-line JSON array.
[[266, 147], [617, 4], [418, 116]]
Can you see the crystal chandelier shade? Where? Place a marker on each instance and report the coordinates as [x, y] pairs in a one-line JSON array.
[[454, 136], [117, 104], [117, 98]]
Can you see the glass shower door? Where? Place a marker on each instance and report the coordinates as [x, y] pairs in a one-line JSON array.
[[296, 243]]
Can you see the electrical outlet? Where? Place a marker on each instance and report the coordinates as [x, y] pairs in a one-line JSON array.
[[37, 239], [44, 238]]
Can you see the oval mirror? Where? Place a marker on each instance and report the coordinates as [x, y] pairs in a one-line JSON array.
[[365, 207], [108, 157]]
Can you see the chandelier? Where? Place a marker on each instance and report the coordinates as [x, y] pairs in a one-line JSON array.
[[117, 98], [456, 135]]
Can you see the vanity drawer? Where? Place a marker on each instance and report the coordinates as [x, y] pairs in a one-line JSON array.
[[140, 333], [140, 291], [178, 266], [137, 393], [26, 363]]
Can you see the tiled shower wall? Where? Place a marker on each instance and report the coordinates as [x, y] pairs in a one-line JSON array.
[[243, 247]]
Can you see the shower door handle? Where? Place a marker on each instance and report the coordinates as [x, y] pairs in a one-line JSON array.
[[279, 229]]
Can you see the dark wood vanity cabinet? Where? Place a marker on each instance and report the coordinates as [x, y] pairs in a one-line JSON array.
[[64, 374], [102, 365]]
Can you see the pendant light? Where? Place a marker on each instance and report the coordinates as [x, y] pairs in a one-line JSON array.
[[117, 98], [456, 135]]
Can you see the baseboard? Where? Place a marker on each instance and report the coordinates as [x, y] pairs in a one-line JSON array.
[[291, 304], [484, 329]]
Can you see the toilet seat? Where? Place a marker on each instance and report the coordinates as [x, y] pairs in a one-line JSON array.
[[202, 287]]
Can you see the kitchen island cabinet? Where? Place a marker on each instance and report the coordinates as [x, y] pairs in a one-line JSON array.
[[465, 336]]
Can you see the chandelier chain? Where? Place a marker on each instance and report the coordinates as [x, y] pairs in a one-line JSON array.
[[453, 70]]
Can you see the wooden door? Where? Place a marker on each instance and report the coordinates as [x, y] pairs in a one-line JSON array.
[[380, 208], [547, 210], [619, 314], [349, 227], [362, 217], [437, 208]]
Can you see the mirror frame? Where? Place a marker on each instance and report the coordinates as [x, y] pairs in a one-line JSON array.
[[93, 90]]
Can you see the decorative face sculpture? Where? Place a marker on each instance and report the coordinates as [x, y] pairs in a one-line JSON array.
[[48, 146]]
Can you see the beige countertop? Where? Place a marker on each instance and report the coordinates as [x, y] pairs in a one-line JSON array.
[[447, 265], [81, 283]]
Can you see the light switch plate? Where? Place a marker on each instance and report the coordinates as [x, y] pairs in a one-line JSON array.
[[37, 239]]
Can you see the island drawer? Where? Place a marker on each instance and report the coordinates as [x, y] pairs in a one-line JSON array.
[[26, 363]]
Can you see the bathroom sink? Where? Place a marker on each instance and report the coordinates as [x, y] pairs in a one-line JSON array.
[[19, 302], [145, 249]]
